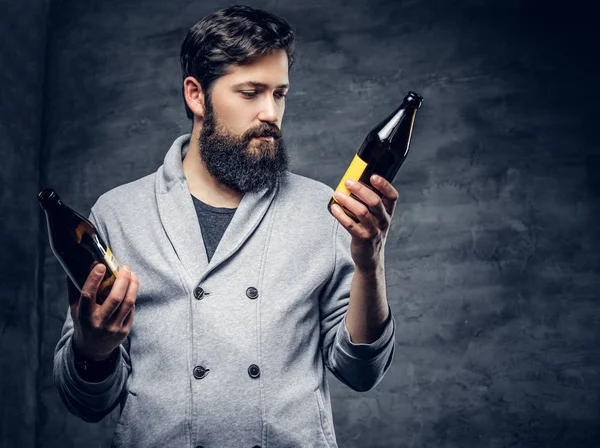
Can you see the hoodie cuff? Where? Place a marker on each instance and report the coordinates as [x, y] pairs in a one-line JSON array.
[[365, 351], [90, 387]]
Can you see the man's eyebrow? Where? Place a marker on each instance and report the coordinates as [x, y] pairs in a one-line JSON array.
[[258, 84]]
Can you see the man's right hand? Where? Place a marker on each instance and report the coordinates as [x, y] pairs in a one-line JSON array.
[[100, 328]]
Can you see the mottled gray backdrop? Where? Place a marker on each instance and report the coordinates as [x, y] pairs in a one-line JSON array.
[[492, 260]]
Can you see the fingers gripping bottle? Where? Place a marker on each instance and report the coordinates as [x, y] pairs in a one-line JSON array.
[[383, 151]]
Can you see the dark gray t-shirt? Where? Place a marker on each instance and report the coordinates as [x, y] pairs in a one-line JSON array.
[[213, 223]]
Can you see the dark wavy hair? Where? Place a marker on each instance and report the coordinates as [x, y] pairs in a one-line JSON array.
[[235, 35]]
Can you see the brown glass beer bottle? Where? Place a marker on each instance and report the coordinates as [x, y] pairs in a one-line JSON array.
[[383, 151], [77, 244]]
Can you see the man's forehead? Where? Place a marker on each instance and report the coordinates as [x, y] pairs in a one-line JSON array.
[[268, 71]]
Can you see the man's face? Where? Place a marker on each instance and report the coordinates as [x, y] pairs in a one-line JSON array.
[[240, 140]]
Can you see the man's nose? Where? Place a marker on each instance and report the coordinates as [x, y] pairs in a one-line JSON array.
[[269, 111]]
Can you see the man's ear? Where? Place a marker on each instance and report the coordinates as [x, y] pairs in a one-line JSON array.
[[194, 96]]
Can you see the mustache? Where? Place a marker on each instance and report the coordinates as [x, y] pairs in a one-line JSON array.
[[264, 131]]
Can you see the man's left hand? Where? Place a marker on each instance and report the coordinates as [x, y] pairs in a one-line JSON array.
[[369, 234]]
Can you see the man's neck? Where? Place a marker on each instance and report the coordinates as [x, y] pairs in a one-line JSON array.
[[202, 184]]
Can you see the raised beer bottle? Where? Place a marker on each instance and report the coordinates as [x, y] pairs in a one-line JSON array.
[[77, 244], [383, 151]]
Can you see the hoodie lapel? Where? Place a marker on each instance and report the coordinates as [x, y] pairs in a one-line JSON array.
[[247, 217]]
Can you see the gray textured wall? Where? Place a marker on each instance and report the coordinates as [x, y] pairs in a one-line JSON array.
[[492, 259], [22, 49]]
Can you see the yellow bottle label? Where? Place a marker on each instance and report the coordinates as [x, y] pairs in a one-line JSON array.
[[354, 171], [111, 261]]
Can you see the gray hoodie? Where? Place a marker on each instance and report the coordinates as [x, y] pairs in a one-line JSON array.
[[231, 352]]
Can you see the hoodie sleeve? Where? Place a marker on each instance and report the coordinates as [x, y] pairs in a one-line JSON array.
[[88, 401], [359, 366]]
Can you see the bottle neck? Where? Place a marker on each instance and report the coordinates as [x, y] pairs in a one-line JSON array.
[[389, 130], [51, 204]]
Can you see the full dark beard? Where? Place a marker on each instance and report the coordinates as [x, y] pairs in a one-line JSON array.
[[240, 163]]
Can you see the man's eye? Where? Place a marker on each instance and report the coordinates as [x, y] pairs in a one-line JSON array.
[[249, 94], [280, 95]]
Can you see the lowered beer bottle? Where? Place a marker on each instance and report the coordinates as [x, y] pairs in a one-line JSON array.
[[77, 244], [383, 151]]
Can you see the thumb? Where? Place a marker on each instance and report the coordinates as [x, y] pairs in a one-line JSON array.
[[89, 291]]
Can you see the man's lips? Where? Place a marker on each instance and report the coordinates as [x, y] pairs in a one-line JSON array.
[[266, 138]]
